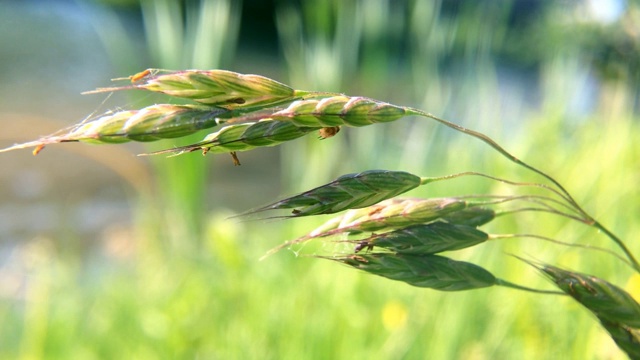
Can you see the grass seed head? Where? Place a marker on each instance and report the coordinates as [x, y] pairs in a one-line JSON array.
[[152, 123], [148, 124], [430, 271], [244, 137], [348, 192], [220, 88], [338, 111], [390, 214], [471, 216], [607, 301], [429, 238]]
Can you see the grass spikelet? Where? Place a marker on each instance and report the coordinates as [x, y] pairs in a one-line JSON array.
[[617, 311], [340, 110], [471, 216], [427, 238], [148, 124], [243, 137], [220, 88], [607, 301], [390, 214], [386, 215], [349, 191], [429, 271]]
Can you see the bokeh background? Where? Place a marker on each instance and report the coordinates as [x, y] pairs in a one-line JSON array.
[[107, 255]]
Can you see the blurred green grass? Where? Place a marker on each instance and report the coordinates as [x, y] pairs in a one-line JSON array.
[[187, 283]]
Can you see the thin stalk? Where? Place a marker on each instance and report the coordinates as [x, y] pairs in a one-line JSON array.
[[536, 199], [555, 212], [508, 284], [498, 148], [427, 180], [588, 218], [558, 242]]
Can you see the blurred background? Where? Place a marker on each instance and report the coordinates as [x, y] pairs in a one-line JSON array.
[[107, 255]]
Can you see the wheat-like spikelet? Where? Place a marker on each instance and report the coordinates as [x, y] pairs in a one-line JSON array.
[[617, 311], [148, 124], [243, 137], [423, 239], [472, 216], [430, 271], [349, 191], [340, 110], [390, 214], [602, 298], [386, 215], [220, 88]]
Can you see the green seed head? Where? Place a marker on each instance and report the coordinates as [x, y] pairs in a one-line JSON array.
[[605, 300], [428, 238], [348, 192], [243, 137], [338, 111], [390, 214], [472, 216], [430, 271], [148, 124], [219, 88]]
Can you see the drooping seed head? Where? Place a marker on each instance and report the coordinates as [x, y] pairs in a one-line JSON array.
[[349, 191], [243, 137], [471, 216], [220, 88], [340, 110], [429, 238], [429, 271], [148, 124], [607, 301], [390, 214]]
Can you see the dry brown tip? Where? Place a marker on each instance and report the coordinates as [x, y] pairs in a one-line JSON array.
[[327, 132], [37, 149], [142, 74], [235, 159]]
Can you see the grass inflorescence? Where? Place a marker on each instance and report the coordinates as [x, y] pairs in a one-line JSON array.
[[349, 191], [396, 238], [244, 137], [220, 88]]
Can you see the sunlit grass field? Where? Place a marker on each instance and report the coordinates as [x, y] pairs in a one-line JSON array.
[[185, 280]]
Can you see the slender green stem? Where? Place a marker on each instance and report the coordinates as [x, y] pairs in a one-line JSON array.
[[617, 240], [547, 210], [427, 180], [588, 218], [540, 237], [537, 199], [508, 284], [498, 148]]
